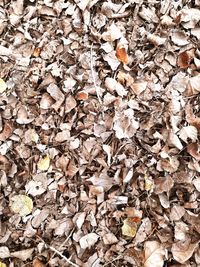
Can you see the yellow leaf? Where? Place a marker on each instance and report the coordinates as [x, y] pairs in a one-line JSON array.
[[129, 227], [2, 264], [43, 163], [3, 86], [148, 183], [34, 136], [21, 204]]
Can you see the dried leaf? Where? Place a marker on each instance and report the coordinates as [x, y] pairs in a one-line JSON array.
[[38, 263], [109, 239], [7, 131], [36, 52], [23, 254], [121, 54], [82, 95], [4, 252], [188, 132], [44, 163], [183, 250], [184, 59], [3, 86], [88, 240], [21, 204], [193, 150], [154, 254], [129, 227]]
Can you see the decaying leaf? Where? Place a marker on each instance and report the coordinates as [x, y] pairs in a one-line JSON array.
[[43, 163], [130, 226], [3, 86], [184, 59], [183, 250], [23, 254], [188, 132], [154, 254], [4, 252], [21, 204], [88, 240], [38, 263], [122, 54]]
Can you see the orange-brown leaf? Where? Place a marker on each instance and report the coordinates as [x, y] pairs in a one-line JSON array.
[[121, 54], [36, 52], [82, 95], [38, 263], [184, 60]]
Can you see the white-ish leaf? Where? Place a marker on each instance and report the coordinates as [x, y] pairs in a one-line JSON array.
[[154, 254], [4, 252], [88, 240], [188, 132], [23, 254], [3, 86]]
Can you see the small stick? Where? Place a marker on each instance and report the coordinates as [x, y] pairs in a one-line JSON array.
[[63, 257]]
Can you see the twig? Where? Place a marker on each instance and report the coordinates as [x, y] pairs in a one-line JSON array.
[[93, 77], [59, 253], [63, 257], [65, 241]]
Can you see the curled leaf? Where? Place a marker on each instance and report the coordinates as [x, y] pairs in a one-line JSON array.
[[21, 204]]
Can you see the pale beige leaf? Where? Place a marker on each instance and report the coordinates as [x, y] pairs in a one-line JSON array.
[[188, 132], [154, 254], [3, 86], [88, 240], [182, 251], [44, 163], [21, 204]]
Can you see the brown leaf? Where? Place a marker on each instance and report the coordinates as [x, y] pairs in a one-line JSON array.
[[38, 263], [121, 54], [4, 163], [182, 251], [184, 59], [192, 149], [7, 131], [191, 118], [36, 52]]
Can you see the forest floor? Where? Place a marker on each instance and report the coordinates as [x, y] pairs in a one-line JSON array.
[[99, 133]]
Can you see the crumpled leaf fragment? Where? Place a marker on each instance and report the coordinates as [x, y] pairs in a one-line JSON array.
[[122, 54], [129, 227], [44, 163], [87, 241], [188, 132], [23, 254], [154, 254], [183, 250], [148, 183], [3, 86], [37, 263], [4, 252], [21, 204]]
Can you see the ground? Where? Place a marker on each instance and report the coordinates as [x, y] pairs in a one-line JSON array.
[[99, 133]]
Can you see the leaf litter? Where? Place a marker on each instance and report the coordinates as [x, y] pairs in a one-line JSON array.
[[99, 133]]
